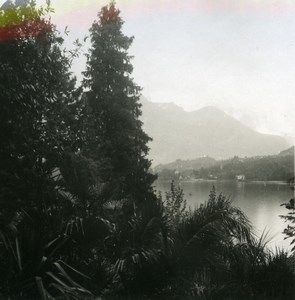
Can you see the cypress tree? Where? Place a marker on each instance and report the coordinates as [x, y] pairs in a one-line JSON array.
[[114, 137]]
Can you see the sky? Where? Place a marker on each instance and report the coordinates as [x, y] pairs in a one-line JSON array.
[[238, 55]]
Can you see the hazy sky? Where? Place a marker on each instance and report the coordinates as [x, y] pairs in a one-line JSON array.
[[236, 54]]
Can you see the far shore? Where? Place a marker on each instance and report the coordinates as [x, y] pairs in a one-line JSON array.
[[226, 180]]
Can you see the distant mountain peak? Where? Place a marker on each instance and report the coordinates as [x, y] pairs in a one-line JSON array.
[[178, 134], [213, 111], [211, 108], [169, 105]]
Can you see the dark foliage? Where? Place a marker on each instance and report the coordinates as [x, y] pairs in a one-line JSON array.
[[290, 217], [79, 218], [113, 132]]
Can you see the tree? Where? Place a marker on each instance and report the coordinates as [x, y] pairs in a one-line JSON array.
[[37, 96], [113, 132], [36, 118]]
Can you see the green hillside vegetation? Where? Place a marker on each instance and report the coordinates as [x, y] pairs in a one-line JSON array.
[[273, 167], [182, 165], [79, 218]]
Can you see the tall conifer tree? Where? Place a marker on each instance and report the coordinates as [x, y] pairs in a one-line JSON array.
[[113, 132]]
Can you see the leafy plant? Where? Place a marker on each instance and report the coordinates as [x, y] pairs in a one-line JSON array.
[[290, 217]]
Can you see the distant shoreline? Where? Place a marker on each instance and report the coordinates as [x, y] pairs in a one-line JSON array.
[[226, 180]]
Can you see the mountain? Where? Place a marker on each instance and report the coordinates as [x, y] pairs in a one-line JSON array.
[[178, 134]]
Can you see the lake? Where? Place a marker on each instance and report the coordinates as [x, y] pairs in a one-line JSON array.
[[260, 201]]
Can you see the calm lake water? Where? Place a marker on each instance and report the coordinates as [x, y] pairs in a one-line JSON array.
[[260, 201]]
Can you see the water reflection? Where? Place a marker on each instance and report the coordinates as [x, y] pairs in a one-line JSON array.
[[260, 201]]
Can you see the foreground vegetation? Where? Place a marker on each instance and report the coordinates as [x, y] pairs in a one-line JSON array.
[[79, 218]]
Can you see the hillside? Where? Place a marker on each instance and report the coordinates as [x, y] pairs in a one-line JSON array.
[[271, 167], [190, 164], [289, 151], [178, 134]]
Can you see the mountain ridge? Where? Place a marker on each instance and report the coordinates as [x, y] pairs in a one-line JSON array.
[[209, 131]]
